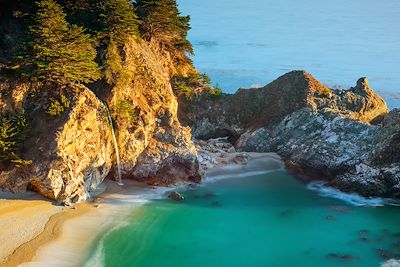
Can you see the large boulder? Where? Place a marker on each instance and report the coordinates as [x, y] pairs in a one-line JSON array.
[[70, 154]]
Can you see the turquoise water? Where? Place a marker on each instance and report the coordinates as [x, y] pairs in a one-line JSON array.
[[244, 43], [269, 219]]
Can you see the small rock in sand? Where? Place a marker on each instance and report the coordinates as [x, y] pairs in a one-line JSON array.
[[241, 159]]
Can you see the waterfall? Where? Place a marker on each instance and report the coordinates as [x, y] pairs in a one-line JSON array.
[[115, 145]]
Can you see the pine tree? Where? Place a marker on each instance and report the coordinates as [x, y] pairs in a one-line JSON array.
[[163, 24], [120, 20], [63, 53]]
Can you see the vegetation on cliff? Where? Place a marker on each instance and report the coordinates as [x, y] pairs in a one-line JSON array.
[[162, 24], [13, 129], [61, 53], [62, 43], [77, 62]]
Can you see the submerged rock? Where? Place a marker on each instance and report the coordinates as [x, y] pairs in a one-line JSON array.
[[175, 196], [341, 257]]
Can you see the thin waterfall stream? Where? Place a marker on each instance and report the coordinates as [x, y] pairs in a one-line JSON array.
[[115, 145]]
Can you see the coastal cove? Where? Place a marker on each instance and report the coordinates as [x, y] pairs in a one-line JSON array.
[[253, 210], [266, 136]]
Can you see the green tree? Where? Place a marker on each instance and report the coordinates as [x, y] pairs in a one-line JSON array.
[[119, 23], [162, 23], [120, 20], [63, 53]]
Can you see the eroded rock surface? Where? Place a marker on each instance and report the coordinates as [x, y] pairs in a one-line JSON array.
[[251, 109], [73, 152], [347, 137]]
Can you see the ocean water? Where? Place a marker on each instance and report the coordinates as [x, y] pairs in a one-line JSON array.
[[254, 219], [248, 43]]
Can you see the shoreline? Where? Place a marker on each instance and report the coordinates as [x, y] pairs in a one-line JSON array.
[[72, 229], [52, 230], [69, 232], [66, 230]]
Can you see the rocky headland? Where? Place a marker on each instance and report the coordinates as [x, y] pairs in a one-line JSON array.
[[348, 138]]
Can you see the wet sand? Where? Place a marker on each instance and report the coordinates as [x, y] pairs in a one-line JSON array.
[[33, 230]]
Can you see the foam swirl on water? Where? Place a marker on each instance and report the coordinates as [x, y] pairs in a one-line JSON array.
[[351, 198]]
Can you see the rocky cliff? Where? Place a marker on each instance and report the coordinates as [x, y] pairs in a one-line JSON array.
[[249, 109], [69, 151], [347, 138]]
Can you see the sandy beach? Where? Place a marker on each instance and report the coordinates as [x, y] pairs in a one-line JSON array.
[[32, 228]]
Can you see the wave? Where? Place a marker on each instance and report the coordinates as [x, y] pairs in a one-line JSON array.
[[351, 198], [98, 257], [214, 178], [391, 263]]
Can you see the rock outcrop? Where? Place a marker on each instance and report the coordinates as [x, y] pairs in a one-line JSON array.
[[344, 152], [347, 138], [251, 109], [73, 152], [154, 147], [70, 155]]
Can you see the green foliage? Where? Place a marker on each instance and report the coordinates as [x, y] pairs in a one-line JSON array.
[[125, 110], [216, 91], [13, 129], [163, 24], [325, 92], [58, 107], [113, 65], [181, 88], [63, 53], [205, 79], [120, 20]]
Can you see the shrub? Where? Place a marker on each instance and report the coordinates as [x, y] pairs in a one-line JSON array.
[[125, 109], [58, 107], [216, 91], [325, 92], [13, 130], [183, 89], [205, 79]]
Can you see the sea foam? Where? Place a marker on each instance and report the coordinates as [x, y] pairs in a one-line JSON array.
[[351, 198]]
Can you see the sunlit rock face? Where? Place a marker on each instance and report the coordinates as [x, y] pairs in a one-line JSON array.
[[154, 146], [72, 153], [346, 137], [250, 109]]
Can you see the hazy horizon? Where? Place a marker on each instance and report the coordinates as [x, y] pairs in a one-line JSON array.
[[245, 43]]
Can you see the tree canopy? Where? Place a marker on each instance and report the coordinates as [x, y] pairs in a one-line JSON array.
[[62, 53], [120, 19], [162, 23]]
